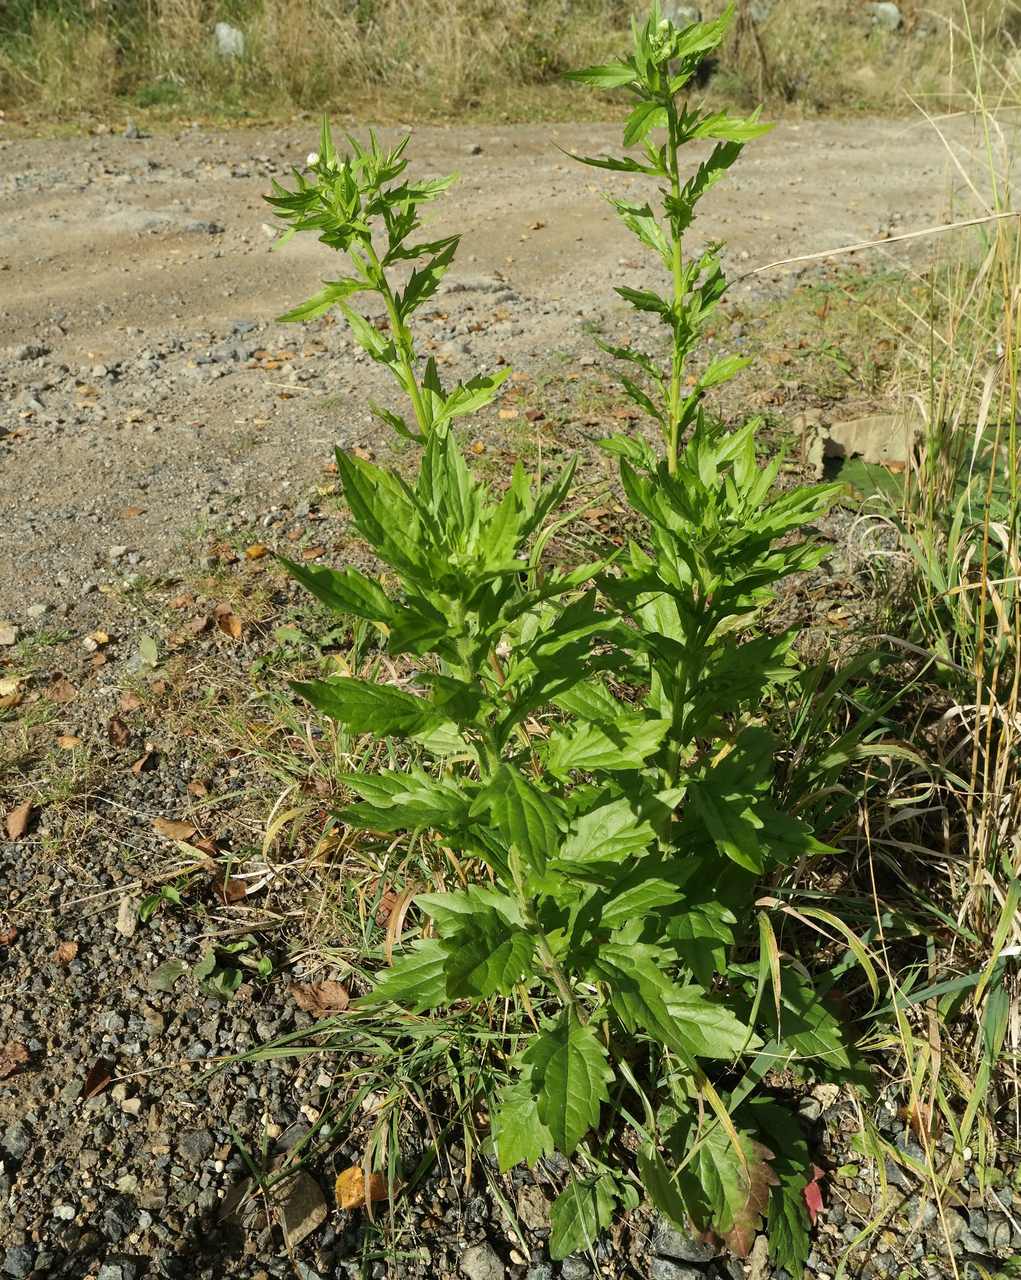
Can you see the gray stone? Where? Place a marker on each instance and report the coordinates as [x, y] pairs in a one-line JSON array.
[[8, 634], [533, 1208], [886, 15], [195, 1145], [475, 149], [230, 42], [37, 610], [682, 15], [575, 1268], [668, 1242], [119, 1268], [481, 1262], [16, 1140], [303, 1210], [19, 1261], [667, 1269], [132, 131], [542, 1272]]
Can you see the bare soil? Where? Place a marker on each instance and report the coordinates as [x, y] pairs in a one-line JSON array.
[[141, 370]]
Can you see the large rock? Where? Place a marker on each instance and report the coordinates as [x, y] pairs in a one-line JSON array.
[[303, 1209], [681, 15], [668, 1242], [886, 15], [230, 42], [481, 1262]]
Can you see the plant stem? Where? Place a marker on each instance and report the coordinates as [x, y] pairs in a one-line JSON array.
[[401, 341], [677, 362]]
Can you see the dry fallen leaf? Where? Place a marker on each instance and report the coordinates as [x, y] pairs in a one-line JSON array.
[[17, 820], [66, 952], [182, 601], [61, 690], [143, 762], [197, 788], [366, 455], [8, 935], [9, 685], [127, 917], [99, 637], [256, 551], [312, 553], [129, 701], [129, 513], [229, 889], [351, 1187], [320, 997], [173, 829], [118, 732], [508, 415], [98, 1078], [12, 1058], [229, 624], [68, 741]]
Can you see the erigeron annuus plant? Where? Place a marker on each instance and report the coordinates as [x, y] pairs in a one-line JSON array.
[[595, 756]]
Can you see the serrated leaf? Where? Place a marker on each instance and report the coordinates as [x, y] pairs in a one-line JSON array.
[[347, 591], [569, 1072], [487, 954], [611, 76], [416, 980], [579, 1213], [611, 831], [736, 1185], [731, 823], [643, 119], [329, 295], [661, 1188], [624, 743], [528, 819], [519, 1135], [365, 707]]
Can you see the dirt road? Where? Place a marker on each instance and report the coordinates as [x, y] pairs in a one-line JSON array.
[[141, 371]]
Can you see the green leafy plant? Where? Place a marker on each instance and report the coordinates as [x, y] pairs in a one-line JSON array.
[[589, 749]]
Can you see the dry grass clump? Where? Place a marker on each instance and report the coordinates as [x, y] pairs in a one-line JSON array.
[[400, 58]]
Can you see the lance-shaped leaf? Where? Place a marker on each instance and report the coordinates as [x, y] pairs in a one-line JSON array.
[[346, 591], [569, 1072], [488, 954], [519, 1136], [731, 822], [365, 707], [416, 980], [579, 1213], [528, 819], [612, 76], [332, 292]]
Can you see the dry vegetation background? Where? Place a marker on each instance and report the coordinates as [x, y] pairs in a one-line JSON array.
[[62, 59]]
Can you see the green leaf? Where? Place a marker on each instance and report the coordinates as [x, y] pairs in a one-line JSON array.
[[328, 296], [569, 1074], [643, 119], [468, 397], [528, 819], [730, 822], [365, 707], [736, 1183], [682, 1017], [486, 955], [519, 1135], [611, 76], [788, 1229], [611, 831], [661, 1187], [416, 980], [404, 801], [624, 743], [579, 1213], [348, 591], [643, 300]]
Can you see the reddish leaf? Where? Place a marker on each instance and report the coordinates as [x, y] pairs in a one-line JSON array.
[[12, 1058], [118, 732], [129, 701], [8, 935], [98, 1078], [17, 820], [758, 1179], [61, 690], [320, 997], [813, 1195], [230, 624], [227, 889], [172, 829]]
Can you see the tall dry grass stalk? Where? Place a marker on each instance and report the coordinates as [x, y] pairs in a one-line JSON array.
[[402, 57]]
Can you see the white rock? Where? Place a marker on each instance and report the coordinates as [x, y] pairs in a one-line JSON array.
[[230, 42], [887, 15]]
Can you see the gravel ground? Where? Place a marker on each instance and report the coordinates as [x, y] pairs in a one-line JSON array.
[[153, 422]]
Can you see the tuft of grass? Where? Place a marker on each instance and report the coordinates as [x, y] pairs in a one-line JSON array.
[[394, 59]]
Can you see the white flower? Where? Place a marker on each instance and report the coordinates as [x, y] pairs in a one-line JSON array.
[[312, 159]]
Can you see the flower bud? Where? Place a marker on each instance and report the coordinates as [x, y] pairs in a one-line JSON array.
[[312, 159]]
